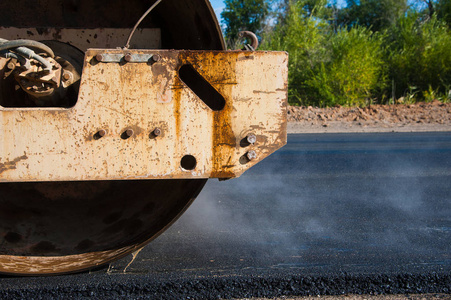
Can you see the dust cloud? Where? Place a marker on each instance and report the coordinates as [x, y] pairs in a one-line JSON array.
[[334, 199]]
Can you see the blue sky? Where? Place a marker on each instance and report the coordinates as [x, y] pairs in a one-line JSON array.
[[218, 6]]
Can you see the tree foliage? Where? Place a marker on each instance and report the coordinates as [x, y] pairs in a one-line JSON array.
[[239, 15], [303, 36], [353, 73], [370, 51], [374, 14], [419, 55], [443, 10]]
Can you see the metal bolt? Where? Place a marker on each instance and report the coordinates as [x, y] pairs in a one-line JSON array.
[[67, 76], [101, 132], [156, 57], [251, 138], [128, 57], [100, 57], [251, 155], [129, 132], [11, 65], [156, 132]]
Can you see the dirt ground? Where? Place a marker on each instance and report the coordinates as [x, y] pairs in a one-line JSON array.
[[433, 116]]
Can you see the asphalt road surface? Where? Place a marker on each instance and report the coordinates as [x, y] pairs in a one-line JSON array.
[[329, 214]]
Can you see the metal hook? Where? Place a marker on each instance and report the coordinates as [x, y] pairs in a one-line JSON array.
[[254, 40]]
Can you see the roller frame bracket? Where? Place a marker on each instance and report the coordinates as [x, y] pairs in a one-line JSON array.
[[126, 102], [120, 57]]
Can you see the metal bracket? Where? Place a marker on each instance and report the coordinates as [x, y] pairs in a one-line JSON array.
[[127, 57], [218, 113]]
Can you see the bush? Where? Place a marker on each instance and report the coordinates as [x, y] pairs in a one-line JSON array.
[[303, 36], [355, 72], [419, 55], [411, 59]]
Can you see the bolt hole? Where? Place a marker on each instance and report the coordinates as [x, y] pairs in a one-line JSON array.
[[244, 142], [155, 133], [127, 134], [99, 134], [250, 139], [244, 160], [249, 156], [188, 162]]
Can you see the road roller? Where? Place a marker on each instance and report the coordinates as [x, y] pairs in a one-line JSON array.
[[113, 116]]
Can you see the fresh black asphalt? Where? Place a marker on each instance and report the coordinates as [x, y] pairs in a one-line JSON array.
[[329, 214]]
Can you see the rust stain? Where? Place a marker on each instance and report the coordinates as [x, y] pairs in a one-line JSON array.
[[11, 165], [224, 140], [264, 92], [177, 94], [139, 97], [246, 57]]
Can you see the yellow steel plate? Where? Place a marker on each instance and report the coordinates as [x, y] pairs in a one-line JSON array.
[[59, 144]]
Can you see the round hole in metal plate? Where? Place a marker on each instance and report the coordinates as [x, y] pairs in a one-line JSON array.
[[188, 162]]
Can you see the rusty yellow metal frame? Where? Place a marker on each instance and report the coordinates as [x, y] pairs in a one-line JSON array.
[[126, 100]]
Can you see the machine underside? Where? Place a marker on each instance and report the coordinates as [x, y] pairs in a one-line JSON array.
[[102, 146]]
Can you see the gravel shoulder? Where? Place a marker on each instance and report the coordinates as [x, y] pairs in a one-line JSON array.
[[419, 117]]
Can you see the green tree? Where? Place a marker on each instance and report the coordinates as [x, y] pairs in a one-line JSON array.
[[419, 56], [354, 73], [303, 36], [317, 8], [375, 56], [430, 7], [374, 14], [328, 67], [443, 10], [241, 15]]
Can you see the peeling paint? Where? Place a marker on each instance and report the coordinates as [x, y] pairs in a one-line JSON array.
[[63, 146], [11, 165]]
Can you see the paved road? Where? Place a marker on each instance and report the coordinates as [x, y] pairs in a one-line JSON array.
[[328, 214]]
